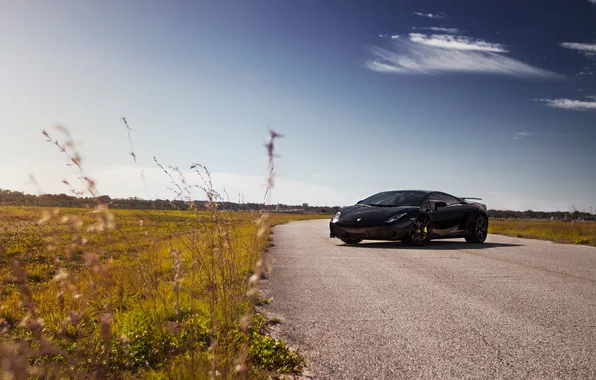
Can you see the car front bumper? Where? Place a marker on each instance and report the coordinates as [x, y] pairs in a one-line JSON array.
[[395, 231]]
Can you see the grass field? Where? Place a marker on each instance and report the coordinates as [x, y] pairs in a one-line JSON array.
[[128, 293], [557, 231]]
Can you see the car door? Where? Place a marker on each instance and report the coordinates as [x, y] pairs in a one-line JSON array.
[[446, 218]]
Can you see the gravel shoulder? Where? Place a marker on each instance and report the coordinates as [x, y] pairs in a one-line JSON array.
[[511, 308]]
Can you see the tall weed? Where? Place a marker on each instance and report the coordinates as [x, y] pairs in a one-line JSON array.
[[108, 293]]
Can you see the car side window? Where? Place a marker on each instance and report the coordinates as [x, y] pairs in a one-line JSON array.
[[426, 205], [440, 197], [448, 199], [432, 199]]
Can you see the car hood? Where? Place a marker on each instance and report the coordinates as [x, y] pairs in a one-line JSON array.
[[370, 214]]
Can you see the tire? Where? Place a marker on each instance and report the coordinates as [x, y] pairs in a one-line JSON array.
[[480, 230], [420, 232], [351, 241]]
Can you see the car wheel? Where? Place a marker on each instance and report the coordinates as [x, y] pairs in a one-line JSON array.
[[480, 230], [420, 232], [351, 241]]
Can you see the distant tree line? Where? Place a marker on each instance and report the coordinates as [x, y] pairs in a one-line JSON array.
[[17, 198], [531, 214]]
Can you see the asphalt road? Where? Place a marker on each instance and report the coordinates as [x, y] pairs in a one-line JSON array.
[[510, 308]]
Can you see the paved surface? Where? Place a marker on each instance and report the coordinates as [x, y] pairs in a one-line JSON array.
[[511, 308]]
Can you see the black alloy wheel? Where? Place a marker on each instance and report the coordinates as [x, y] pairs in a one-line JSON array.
[[420, 232], [480, 230]]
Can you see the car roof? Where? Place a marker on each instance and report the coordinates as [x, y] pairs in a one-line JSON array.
[[412, 190], [420, 191]]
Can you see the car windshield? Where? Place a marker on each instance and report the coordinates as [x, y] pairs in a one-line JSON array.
[[395, 199]]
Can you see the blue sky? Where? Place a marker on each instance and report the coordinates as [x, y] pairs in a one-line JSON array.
[[491, 99]]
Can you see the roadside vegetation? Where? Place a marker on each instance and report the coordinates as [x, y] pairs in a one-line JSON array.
[[129, 292], [104, 293], [571, 232]]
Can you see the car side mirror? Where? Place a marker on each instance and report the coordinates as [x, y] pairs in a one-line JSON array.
[[440, 204]]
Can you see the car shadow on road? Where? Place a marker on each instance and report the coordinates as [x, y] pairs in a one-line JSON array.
[[434, 245]]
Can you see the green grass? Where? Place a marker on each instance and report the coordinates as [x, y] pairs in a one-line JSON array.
[[557, 231], [132, 293]]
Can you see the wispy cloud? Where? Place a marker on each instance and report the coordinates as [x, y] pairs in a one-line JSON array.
[[438, 29], [563, 135], [592, 1], [571, 104], [456, 42], [592, 97], [395, 36], [429, 15], [588, 50], [422, 56], [524, 135]]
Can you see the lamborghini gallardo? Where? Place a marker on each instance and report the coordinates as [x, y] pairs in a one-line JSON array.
[[412, 216]]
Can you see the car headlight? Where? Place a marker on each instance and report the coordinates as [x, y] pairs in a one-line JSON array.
[[335, 217], [395, 217]]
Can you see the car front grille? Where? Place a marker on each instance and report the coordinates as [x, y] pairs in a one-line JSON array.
[[380, 233]]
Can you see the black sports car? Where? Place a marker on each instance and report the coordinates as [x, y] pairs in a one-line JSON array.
[[412, 216]]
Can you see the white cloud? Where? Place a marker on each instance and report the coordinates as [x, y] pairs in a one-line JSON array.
[[437, 29], [429, 15], [382, 35], [570, 104], [456, 42], [417, 58], [521, 135], [395, 36], [589, 50]]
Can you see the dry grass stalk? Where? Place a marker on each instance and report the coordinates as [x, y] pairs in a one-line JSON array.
[[135, 295]]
